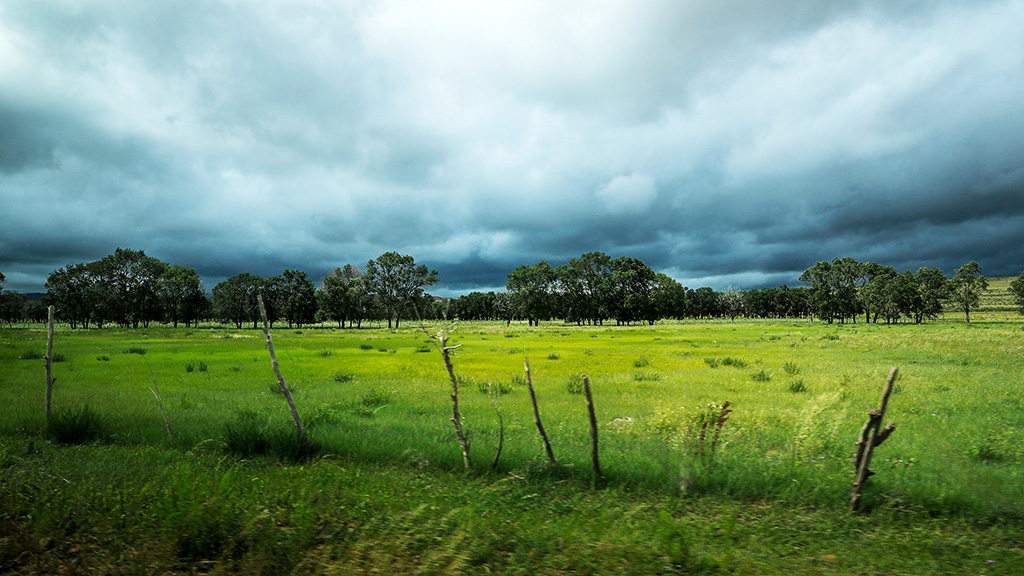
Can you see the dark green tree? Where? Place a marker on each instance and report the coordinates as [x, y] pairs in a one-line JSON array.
[[234, 299], [397, 283], [966, 288], [181, 293], [133, 280], [1017, 290], [532, 289], [298, 298]]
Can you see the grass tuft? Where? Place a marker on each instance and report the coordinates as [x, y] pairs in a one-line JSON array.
[[32, 355], [797, 386], [344, 377], [77, 425], [135, 350], [761, 376]]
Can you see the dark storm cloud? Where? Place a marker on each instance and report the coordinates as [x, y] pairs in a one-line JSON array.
[[721, 142]]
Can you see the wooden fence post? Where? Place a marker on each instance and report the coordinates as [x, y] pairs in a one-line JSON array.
[[49, 367], [593, 430], [277, 371], [536, 414], [871, 436]]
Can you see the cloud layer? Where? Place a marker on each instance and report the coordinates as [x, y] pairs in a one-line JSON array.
[[722, 143]]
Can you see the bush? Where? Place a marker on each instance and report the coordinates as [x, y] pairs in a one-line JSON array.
[[645, 376], [77, 426], [574, 384], [247, 435], [797, 386]]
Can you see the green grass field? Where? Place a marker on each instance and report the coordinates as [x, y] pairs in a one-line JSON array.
[[386, 492]]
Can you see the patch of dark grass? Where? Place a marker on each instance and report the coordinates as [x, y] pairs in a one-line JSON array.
[[760, 376], [135, 350], [103, 358], [366, 346], [57, 357], [797, 386], [32, 355], [646, 376], [790, 368], [247, 435], [344, 377], [641, 362], [325, 353], [574, 384], [711, 362], [553, 356], [734, 362], [77, 425]]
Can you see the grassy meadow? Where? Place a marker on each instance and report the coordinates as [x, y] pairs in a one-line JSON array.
[[385, 491]]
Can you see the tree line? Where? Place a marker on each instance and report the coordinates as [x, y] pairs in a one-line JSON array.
[[129, 289]]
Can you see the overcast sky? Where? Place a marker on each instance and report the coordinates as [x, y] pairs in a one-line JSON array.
[[723, 143]]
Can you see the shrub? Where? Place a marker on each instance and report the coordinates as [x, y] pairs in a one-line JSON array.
[[574, 384], [760, 376], [286, 443], [32, 355], [77, 425], [376, 396], [645, 376], [247, 435], [790, 368], [344, 377], [135, 350], [497, 387]]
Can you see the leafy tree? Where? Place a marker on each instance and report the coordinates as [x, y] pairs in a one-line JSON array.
[[69, 291], [669, 297], [531, 289], [503, 307], [704, 303], [133, 279], [181, 293], [966, 287], [234, 299], [397, 282], [933, 287], [584, 284], [633, 283], [344, 296], [298, 297], [12, 306], [1017, 290]]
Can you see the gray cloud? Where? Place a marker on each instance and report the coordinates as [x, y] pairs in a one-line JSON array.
[[723, 143]]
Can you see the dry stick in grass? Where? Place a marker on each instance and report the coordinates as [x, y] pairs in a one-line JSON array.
[[536, 414], [156, 392], [442, 338], [501, 427], [277, 371], [593, 429], [49, 367], [871, 436]]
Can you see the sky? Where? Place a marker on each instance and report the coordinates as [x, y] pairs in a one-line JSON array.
[[727, 143]]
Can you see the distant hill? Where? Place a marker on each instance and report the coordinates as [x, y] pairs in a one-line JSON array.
[[998, 298]]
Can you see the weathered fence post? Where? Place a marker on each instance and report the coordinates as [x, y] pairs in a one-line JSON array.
[[501, 427], [160, 404], [871, 436], [593, 430], [536, 414], [49, 367], [277, 371], [442, 338]]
